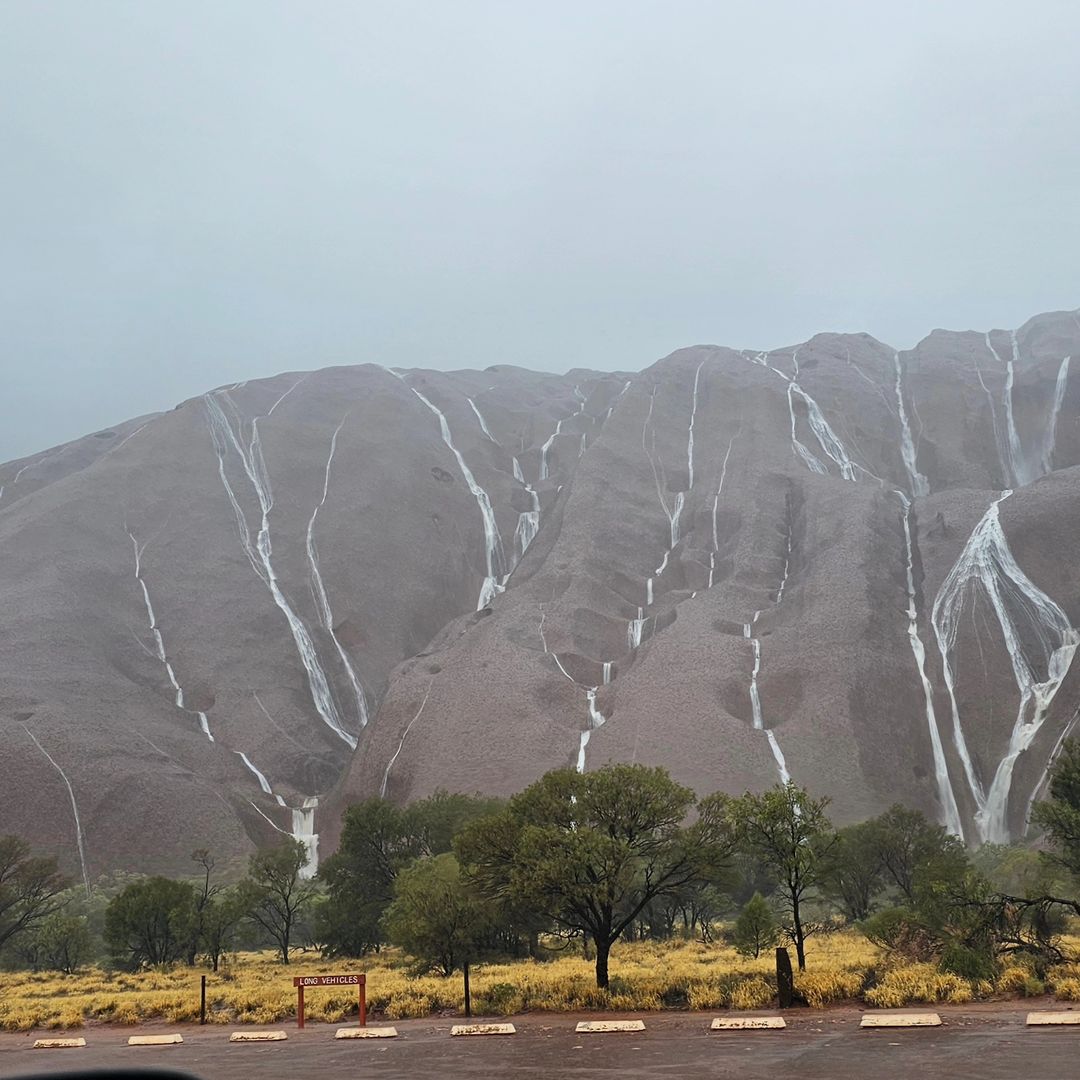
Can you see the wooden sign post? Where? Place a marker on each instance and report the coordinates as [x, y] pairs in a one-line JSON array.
[[302, 981]]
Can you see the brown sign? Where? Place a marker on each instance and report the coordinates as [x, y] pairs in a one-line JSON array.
[[301, 982], [329, 980]]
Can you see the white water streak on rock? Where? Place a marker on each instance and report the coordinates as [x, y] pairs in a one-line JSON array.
[[493, 551], [401, 741], [595, 717], [483, 423], [1049, 443], [618, 398], [318, 590], [545, 473], [799, 448], [946, 795], [259, 554], [80, 840], [919, 484], [1019, 465], [1037, 635], [596, 720], [778, 757], [259, 775], [301, 818], [690, 432], [716, 503], [528, 520], [826, 437], [159, 642], [303, 829], [268, 819]]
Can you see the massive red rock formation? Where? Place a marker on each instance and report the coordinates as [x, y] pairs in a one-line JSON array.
[[237, 616]]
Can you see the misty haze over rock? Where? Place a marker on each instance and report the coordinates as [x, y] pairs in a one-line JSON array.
[[832, 562]]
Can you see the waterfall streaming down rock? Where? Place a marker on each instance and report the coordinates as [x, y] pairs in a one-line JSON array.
[[303, 829], [919, 485], [493, 552], [258, 554], [946, 796], [1039, 640]]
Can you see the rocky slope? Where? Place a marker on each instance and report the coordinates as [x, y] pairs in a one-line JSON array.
[[233, 618]]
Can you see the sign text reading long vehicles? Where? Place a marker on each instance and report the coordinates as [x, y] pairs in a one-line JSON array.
[[328, 980]]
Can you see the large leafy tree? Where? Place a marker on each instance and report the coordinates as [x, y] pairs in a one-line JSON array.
[[589, 851], [788, 833], [378, 841], [275, 894], [61, 942], [436, 918], [150, 921], [30, 888], [852, 874], [915, 852]]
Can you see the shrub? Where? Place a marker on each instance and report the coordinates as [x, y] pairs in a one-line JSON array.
[[967, 962], [755, 929], [1016, 979], [502, 999], [898, 930]]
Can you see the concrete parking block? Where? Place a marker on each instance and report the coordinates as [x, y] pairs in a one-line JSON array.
[[748, 1023], [1052, 1019], [900, 1020]]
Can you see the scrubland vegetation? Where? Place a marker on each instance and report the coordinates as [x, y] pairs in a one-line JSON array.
[[645, 976], [615, 889]]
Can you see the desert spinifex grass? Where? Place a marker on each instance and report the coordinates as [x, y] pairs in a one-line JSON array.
[[256, 989], [644, 977]]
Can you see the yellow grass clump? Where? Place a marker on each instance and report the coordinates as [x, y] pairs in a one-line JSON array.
[[1063, 981], [918, 983], [645, 976], [256, 989], [821, 988]]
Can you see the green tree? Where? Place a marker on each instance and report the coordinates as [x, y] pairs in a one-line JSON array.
[[589, 851], [436, 918], [149, 922], [852, 874], [378, 841], [1017, 870], [788, 832], [275, 894], [915, 852], [1059, 815], [62, 942], [755, 928], [30, 888]]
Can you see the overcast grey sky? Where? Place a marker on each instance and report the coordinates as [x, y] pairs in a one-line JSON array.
[[193, 193]]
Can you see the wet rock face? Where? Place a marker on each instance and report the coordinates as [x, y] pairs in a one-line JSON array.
[[230, 620]]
